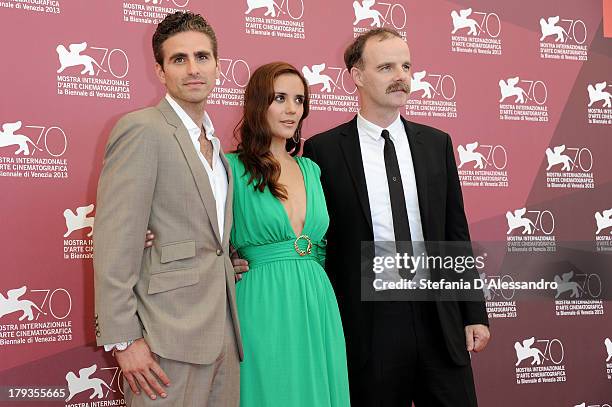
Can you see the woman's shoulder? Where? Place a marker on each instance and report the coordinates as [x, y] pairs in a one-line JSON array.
[[233, 159], [309, 164], [235, 164], [232, 156]]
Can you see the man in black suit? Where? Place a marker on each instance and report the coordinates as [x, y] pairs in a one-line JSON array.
[[388, 179]]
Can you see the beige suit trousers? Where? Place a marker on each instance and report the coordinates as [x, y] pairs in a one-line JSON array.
[[194, 385]]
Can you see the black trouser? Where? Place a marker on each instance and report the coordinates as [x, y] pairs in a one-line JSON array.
[[409, 362]]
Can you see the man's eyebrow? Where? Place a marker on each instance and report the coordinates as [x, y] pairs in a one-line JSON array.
[[392, 63], [184, 55], [178, 54]]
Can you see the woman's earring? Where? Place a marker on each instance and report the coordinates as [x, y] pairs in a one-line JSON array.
[[296, 136]]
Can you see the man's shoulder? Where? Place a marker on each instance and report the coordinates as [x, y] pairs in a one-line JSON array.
[[142, 116], [425, 129], [331, 134], [143, 124], [149, 119]]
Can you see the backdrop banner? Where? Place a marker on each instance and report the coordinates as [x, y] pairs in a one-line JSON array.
[[524, 88]]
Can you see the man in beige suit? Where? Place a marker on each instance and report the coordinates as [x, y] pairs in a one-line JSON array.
[[168, 312]]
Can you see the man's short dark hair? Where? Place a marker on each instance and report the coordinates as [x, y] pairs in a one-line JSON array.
[[354, 52], [177, 23]]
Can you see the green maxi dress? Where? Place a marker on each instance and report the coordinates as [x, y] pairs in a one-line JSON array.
[[294, 350]]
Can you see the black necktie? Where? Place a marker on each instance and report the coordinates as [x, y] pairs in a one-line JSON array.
[[396, 192]]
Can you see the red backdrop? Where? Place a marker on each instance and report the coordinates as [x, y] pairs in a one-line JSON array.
[[516, 77]]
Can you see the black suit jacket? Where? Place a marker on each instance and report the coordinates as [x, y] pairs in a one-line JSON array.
[[338, 153]]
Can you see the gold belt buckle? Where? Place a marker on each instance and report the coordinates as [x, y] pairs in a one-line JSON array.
[[299, 251]]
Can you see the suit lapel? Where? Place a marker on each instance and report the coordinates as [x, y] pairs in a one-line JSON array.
[[227, 224], [349, 143], [419, 161], [195, 165]]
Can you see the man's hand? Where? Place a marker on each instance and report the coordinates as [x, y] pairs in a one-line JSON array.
[[149, 237], [139, 366], [476, 337], [240, 265]]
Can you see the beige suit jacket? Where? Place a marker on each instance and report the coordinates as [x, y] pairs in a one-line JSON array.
[[174, 294]]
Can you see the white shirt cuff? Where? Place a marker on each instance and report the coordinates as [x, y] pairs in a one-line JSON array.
[[118, 346]]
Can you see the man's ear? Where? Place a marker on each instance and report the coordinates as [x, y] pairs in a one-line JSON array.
[[159, 71], [357, 76], [217, 74]]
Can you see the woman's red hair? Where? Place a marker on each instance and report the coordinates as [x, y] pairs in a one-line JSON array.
[[254, 132]]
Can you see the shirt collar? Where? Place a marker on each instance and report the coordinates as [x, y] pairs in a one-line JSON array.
[[192, 128], [396, 129]]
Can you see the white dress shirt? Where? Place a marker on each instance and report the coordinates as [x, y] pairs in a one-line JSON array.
[[217, 174], [372, 154]]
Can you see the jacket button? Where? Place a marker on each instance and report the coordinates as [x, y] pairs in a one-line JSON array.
[[219, 252], [98, 333]]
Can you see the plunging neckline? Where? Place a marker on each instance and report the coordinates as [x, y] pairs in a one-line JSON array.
[[287, 219]]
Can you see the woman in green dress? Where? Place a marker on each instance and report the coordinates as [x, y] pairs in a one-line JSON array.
[[292, 334]]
